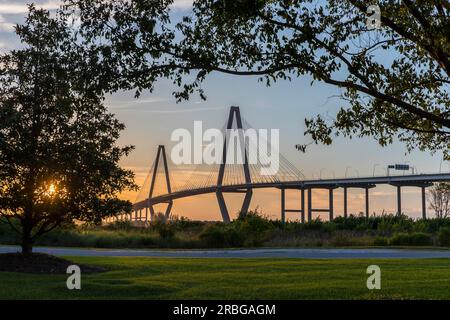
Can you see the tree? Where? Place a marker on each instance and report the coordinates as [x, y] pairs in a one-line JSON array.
[[58, 159], [393, 80], [440, 199]]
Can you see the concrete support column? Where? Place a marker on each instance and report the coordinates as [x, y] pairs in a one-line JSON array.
[[309, 205], [222, 206], [424, 204], [152, 212], [247, 200], [399, 200], [345, 203], [367, 202], [168, 209], [331, 206], [303, 206], [283, 206]]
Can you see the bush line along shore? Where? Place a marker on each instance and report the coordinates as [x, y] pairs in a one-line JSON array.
[[251, 230]]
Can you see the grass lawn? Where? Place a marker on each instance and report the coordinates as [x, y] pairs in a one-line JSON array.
[[179, 278]]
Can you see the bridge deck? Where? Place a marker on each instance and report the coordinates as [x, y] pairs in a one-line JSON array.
[[363, 182]]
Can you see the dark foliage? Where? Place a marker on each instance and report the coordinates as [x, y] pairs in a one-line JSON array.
[[58, 153]]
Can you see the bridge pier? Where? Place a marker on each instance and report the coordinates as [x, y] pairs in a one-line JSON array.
[[309, 205], [222, 206], [283, 205], [329, 210], [303, 206], [399, 200], [366, 187], [331, 204], [367, 202], [424, 203], [345, 202], [422, 185], [168, 210], [247, 200], [152, 212]]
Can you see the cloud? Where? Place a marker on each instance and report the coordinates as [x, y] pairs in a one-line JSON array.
[[146, 105], [182, 4], [5, 25], [136, 102], [12, 7], [9, 10], [4, 48], [186, 110]]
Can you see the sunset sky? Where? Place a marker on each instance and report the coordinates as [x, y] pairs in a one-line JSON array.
[[151, 119]]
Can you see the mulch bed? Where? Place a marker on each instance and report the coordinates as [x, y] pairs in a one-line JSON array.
[[40, 263]]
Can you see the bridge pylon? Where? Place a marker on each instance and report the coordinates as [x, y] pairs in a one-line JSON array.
[[161, 153], [234, 114]]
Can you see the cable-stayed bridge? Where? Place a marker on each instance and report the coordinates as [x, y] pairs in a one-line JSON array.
[[228, 177]]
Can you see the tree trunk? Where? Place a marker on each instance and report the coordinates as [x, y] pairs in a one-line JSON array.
[[27, 244]]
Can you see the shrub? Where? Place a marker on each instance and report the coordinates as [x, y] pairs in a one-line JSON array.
[[120, 225], [341, 240], [165, 230], [164, 227], [330, 226], [434, 225], [184, 224], [213, 236], [234, 238], [220, 236], [421, 239], [444, 236], [315, 224], [348, 223], [380, 242], [413, 239], [256, 220], [253, 227], [420, 226]]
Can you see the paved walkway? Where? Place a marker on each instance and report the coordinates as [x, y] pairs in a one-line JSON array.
[[244, 253]]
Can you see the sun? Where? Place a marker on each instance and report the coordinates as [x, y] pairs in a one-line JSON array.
[[51, 189]]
